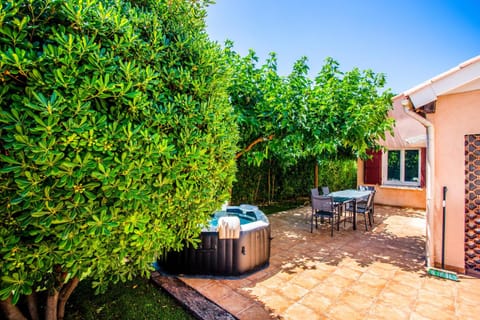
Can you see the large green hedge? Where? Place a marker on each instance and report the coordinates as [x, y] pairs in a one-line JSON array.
[[271, 182], [116, 135]]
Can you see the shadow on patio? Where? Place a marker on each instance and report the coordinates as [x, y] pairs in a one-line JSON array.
[[397, 238]]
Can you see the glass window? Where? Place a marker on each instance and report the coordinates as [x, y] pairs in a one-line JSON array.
[[412, 162], [394, 165], [402, 167]]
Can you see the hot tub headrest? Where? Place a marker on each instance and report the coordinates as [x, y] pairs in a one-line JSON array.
[[228, 227]]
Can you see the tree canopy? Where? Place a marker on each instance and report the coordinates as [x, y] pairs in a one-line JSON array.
[[117, 140], [338, 114]]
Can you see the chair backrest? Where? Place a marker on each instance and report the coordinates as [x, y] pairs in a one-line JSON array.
[[322, 203], [366, 188], [370, 200], [314, 192], [325, 190]]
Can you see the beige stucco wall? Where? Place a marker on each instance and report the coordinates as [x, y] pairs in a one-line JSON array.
[[401, 197], [394, 196], [456, 115]]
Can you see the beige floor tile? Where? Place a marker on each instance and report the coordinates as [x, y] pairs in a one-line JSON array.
[[216, 292], [348, 273], [300, 312], [254, 313], [366, 289], [388, 311], [338, 281], [235, 303], [416, 316], [372, 280], [436, 312], [237, 283], [444, 288], [292, 291], [277, 303], [198, 282], [328, 290], [273, 282], [379, 270], [356, 300], [402, 301], [258, 291], [402, 289], [410, 279], [317, 302], [436, 299], [305, 280], [344, 311], [466, 310]]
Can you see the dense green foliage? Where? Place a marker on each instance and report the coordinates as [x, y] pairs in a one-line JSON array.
[[287, 118], [271, 183], [288, 124], [134, 300], [116, 135]]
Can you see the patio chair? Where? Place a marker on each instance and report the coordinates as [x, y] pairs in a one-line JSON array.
[[323, 207], [325, 190], [369, 188], [365, 208], [365, 188]]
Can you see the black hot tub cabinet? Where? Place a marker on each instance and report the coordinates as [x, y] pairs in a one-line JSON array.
[[225, 257]]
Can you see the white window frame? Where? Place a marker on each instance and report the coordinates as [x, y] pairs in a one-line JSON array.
[[402, 181]]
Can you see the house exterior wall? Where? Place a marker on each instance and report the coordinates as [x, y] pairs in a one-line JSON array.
[[392, 195], [407, 133], [456, 115]]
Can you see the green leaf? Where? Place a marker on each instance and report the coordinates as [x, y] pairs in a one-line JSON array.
[[39, 214]]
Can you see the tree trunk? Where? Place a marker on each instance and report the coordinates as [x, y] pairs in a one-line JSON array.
[[51, 307], [64, 295], [255, 195], [32, 306], [273, 188], [269, 183], [10, 310], [315, 177]]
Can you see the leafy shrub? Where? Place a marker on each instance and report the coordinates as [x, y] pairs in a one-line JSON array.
[[116, 135], [269, 182]]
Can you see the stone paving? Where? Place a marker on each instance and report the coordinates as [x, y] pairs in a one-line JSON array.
[[375, 274]]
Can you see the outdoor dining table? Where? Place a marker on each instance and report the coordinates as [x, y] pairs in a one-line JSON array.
[[350, 195]]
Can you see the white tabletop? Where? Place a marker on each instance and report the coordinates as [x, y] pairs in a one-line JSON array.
[[350, 193]]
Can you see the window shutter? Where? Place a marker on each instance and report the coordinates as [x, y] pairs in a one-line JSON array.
[[373, 168], [423, 166]]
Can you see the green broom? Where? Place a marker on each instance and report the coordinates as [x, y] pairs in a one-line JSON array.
[[442, 273]]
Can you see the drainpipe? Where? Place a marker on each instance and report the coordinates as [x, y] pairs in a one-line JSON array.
[[430, 174]]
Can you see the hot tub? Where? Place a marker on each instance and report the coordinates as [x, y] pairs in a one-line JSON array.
[[247, 251]]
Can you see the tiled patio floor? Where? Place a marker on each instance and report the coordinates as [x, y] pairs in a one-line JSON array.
[[378, 274]]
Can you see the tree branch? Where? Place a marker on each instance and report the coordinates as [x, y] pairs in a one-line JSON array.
[[251, 145], [32, 306], [51, 307], [64, 295], [10, 310]]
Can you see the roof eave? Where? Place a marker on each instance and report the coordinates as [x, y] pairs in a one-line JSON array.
[[449, 81]]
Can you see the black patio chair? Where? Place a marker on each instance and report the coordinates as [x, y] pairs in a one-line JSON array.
[[323, 207], [366, 188], [365, 208], [369, 188], [325, 190]]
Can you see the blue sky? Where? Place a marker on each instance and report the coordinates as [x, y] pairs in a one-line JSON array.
[[410, 41]]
